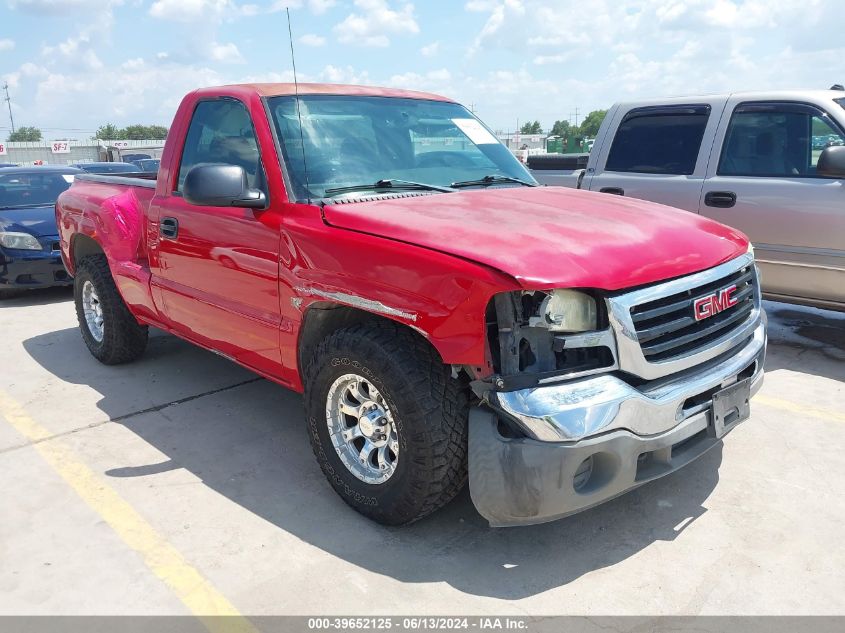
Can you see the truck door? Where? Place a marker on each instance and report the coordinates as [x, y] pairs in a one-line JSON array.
[[656, 153], [218, 266], [762, 180]]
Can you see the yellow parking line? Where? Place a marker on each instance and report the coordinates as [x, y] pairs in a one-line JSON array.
[[164, 560], [800, 409]]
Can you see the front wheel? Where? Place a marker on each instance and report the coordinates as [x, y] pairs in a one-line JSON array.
[[110, 332], [387, 422]]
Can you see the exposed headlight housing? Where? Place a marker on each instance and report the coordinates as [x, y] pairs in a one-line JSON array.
[[567, 310], [19, 241]]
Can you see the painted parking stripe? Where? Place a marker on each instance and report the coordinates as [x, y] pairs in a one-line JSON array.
[[164, 560], [799, 409]]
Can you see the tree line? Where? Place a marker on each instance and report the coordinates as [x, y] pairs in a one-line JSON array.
[[588, 129], [110, 132], [107, 132]]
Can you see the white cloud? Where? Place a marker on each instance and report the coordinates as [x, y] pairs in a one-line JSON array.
[[320, 6], [6, 44], [57, 7], [73, 52], [430, 50], [317, 7], [375, 23], [437, 81], [542, 60], [480, 6], [189, 10], [226, 53], [309, 39], [344, 75]]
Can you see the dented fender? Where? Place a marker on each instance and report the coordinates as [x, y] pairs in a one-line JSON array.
[[114, 217]]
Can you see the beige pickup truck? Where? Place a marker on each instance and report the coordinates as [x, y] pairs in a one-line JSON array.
[[771, 164]]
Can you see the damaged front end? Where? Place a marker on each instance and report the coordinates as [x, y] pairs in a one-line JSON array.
[[596, 393]]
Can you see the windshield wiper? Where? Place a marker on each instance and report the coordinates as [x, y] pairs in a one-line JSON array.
[[492, 179], [389, 183]]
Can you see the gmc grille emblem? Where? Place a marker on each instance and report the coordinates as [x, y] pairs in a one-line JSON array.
[[713, 304]]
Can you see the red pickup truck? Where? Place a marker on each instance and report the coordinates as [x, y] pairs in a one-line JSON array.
[[445, 316]]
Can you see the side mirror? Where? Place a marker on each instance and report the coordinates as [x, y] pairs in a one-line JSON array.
[[832, 162], [221, 186]]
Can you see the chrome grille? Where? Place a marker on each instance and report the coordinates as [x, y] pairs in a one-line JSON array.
[[666, 328]]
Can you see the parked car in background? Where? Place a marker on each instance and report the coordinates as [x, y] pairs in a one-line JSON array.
[[768, 163], [108, 168], [445, 316], [29, 240], [149, 165]]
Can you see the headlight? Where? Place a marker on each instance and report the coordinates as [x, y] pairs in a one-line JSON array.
[[566, 311], [19, 241]]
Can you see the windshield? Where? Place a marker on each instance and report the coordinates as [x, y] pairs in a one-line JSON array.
[[32, 189], [351, 141]]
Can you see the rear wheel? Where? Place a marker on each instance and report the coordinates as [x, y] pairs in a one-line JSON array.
[[110, 332], [387, 422]]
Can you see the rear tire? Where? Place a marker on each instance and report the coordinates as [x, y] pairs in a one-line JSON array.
[[424, 409], [111, 333]]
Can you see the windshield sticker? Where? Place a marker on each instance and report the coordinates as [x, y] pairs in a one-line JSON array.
[[68, 178], [476, 132]]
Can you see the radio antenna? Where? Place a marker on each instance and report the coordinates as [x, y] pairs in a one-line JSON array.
[[298, 110]]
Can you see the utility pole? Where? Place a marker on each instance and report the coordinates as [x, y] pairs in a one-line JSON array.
[[9, 103], [575, 114], [472, 107]]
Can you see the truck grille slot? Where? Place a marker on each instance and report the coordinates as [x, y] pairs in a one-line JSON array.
[[666, 328]]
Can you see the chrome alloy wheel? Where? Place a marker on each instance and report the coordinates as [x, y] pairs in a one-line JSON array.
[[362, 429], [93, 311]]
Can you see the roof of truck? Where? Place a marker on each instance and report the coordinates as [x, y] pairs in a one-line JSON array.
[[757, 95], [280, 89]]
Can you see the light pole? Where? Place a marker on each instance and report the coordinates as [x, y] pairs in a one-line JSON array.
[[9, 103]]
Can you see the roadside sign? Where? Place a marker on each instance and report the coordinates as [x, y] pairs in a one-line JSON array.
[[60, 147], [3, 151]]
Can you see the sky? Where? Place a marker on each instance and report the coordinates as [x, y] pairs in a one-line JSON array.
[[73, 65]]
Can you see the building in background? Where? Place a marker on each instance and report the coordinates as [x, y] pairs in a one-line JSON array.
[[70, 152]]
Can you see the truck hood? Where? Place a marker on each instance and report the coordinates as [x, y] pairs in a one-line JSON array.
[[550, 236], [38, 221]]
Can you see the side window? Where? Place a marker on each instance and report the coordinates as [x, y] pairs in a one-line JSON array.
[[663, 140], [221, 131], [778, 140], [824, 135]]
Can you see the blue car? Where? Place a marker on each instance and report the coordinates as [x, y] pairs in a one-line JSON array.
[[29, 240]]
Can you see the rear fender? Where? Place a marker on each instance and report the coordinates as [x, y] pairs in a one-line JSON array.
[[115, 224]]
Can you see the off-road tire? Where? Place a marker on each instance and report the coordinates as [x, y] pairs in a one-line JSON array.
[[124, 339], [429, 409]]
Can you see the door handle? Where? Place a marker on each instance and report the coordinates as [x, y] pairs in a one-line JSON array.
[[168, 228], [720, 199], [616, 191]]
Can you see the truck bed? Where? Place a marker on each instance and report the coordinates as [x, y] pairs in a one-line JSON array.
[[140, 179], [561, 170]]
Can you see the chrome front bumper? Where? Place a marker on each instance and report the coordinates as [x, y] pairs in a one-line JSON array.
[[634, 435]]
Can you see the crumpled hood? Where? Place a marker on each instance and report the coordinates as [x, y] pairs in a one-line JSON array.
[[551, 236], [38, 221]]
